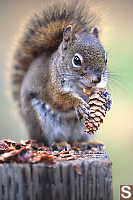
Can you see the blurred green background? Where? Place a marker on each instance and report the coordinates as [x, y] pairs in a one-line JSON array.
[[117, 37]]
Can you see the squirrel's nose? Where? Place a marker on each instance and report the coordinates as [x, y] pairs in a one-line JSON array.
[[96, 78]]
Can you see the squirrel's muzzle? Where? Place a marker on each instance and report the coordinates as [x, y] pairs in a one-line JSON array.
[[92, 77]]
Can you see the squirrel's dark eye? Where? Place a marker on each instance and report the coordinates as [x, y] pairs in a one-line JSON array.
[[77, 60]]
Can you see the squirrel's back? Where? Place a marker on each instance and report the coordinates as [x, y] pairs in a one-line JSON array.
[[43, 34]]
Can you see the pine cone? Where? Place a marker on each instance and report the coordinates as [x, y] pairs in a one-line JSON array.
[[100, 103]]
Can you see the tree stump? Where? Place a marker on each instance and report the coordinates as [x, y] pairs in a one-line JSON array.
[[88, 177]]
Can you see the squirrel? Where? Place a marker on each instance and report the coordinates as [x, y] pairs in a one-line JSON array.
[[57, 55]]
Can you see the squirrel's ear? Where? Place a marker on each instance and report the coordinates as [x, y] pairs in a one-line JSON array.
[[67, 36], [95, 32]]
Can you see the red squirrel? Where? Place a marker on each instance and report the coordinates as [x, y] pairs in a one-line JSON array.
[[57, 55]]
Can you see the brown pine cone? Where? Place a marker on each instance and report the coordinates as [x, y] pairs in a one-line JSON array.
[[100, 103]]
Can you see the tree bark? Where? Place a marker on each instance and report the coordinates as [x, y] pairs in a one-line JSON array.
[[81, 179]]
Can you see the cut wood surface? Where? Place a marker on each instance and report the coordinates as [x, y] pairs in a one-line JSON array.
[[89, 177]]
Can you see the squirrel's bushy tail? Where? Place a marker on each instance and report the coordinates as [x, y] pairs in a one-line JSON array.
[[44, 32]]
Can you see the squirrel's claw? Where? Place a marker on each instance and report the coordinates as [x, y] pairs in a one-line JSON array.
[[78, 114]]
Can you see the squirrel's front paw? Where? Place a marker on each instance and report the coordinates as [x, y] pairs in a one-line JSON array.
[[108, 98], [82, 110]]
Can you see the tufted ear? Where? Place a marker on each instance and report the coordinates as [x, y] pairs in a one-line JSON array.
[[95, 32], [67, 36]]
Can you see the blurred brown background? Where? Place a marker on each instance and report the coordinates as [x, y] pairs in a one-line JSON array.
[[117, 37]]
